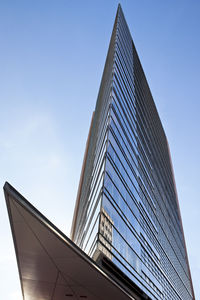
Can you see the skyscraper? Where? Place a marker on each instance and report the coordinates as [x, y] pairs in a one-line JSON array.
[[127, 215], [127, 219]]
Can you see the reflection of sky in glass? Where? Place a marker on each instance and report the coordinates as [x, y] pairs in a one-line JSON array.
[[138, 187]]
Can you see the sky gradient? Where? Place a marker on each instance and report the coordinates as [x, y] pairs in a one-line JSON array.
[[52, 56]]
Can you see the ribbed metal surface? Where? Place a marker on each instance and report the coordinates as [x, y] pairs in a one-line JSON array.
[[128, 204]]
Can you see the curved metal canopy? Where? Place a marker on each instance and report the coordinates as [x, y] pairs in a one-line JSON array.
[[51, 266]]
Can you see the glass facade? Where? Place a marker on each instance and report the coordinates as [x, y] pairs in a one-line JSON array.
[[127, 207]]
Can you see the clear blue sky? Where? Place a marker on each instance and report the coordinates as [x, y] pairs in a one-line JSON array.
[[52, 55]]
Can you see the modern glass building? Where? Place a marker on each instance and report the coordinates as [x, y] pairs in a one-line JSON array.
[[127, 240], [127, 215]]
